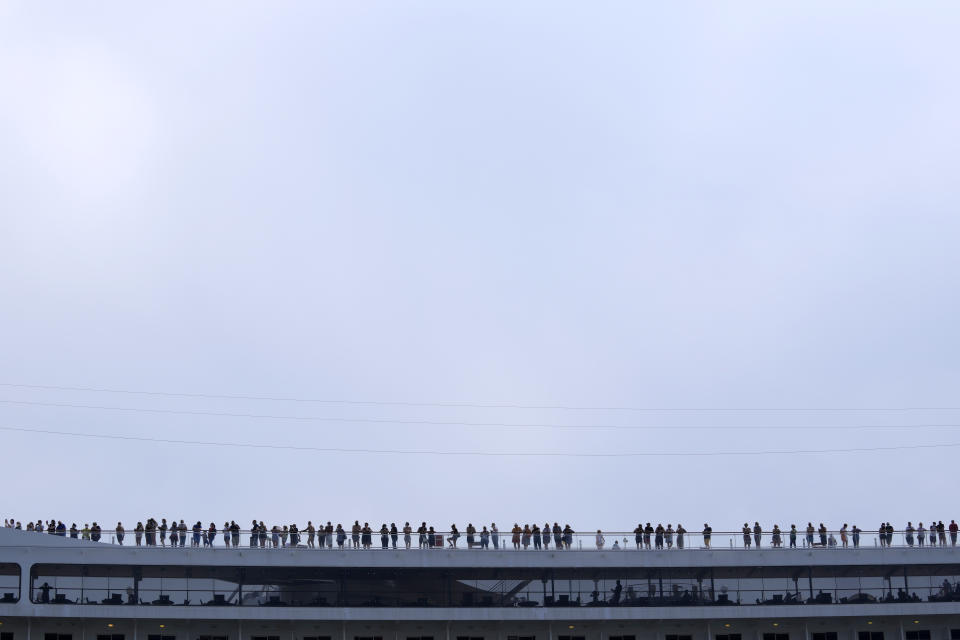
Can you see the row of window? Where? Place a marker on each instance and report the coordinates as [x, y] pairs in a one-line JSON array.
[[919, 634]]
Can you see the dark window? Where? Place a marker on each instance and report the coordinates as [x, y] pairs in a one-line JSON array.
[[666, 637], [523, 637], [6, 635], [919, 634], [728, 636], [954, 634], [110, 636], [463, 638], [159, 637], [870, 635], [264, 637], [573, 637], [776, 636], [635, 638], [211, 637], [316, 637], [69, 636], [419, 637], [826, 635], [367, 637]]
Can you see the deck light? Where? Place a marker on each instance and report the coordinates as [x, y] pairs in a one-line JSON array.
[[776, 624], [727, 624], [916, 622], [110, 624], [570, 627], [163, 626], [869, 621]]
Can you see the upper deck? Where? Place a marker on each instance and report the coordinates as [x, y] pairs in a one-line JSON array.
[[57, 576]]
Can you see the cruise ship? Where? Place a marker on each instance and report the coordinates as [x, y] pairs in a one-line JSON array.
[[54, 587]]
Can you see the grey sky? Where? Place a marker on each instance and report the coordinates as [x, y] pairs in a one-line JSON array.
[[660, 205]]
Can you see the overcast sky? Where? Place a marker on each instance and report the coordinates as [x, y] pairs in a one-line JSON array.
[[720, 206]]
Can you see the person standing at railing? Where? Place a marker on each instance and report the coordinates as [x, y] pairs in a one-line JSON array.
[[823, 535], [707, 534], [174, 535], [545, 535], [384, 537], [138, 534], [355, 534], [810, 531], [341, 536], [933, 533], [422, 535], [746, 535], [197, 533], [151, 532], [942, 534], [311, 534], [658, 537], [183, 533], [484, 538], [638, 536], [525, 536], [329, 531], [600, 540], [163, 532], [757, 532], [557, 537], [85, 532], [668, 536], [120, 533], [515, 535], [262, 535], [471, 535], [680, 533], [775, 540], [73, 531], [535, 533], [856, 536], [793, 536], [393, 534], [953, 533], [494, 535], [568, 536], [908, 533], [366, 536]]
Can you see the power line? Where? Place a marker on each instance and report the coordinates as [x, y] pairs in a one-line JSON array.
[[466, 405], [432, 452], [518, 425]]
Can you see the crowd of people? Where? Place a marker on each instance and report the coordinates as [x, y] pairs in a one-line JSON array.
[[356, 536]]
